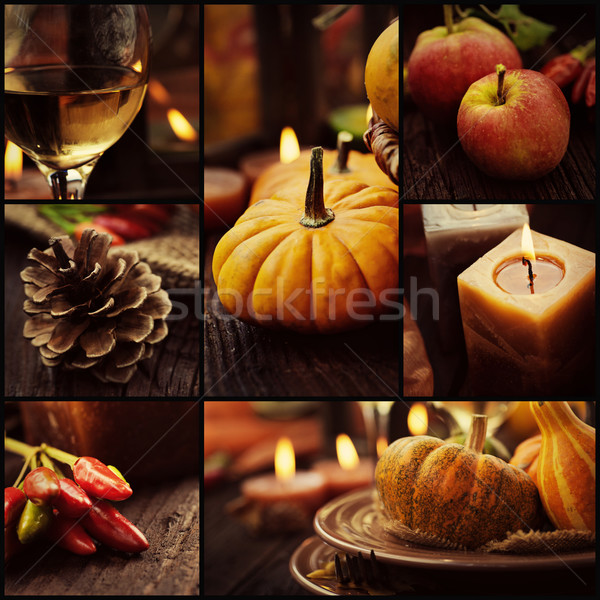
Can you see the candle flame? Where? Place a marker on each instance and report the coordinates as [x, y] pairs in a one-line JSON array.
[[285, 460], [181, 126], [369, 113], [527, 249], [418, 419], [346, 452], [158, 92], [381, 444], [13, 162], [137, 66], [289, 149]]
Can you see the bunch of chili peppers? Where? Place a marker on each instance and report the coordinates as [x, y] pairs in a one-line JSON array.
[[125, 222], [69, 512], [577, 67]]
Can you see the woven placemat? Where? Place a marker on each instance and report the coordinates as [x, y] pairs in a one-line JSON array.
[[174, 253], [518, 542]]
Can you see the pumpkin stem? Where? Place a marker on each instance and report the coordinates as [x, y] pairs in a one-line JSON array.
[[344, 140], [476, 437], [315, 213]]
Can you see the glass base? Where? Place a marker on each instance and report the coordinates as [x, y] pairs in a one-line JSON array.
[[68, 184]]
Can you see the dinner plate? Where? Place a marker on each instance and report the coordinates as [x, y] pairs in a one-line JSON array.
[[353, 523]]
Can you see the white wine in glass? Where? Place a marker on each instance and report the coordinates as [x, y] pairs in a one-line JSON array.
[[376, 414], [75, 77]]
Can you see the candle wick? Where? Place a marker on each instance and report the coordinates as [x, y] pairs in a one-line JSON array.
[[530, 273]]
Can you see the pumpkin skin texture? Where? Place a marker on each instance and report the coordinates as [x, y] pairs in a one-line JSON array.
[[454, 492], [526, 456], [281, 176], [271, 270], [567, 466], [382, 76]]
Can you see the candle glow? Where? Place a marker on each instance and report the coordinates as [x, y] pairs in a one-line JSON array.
[[346, 452], [13, 162], [417, 419], [285, 460], [527, 245], [181, 126], [289, 149]]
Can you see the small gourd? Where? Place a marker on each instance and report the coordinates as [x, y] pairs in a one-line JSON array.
[[326, 266], [455, 492], [526, 456], [567, 466]]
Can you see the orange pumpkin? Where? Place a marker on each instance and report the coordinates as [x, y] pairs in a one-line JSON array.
[[455, 492], [567, 466], [526, 456], [308, 270], [382, 74], [356, 167]]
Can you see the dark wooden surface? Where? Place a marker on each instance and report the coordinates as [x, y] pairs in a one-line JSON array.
[[435, 166], [173, 370], [573, 223], [169, 516], [244, 360]]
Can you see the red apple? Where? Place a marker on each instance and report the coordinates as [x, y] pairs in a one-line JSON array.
[[514, 124], [447, 60]]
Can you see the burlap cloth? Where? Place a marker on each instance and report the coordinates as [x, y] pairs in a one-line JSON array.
[[519, 542], [173, 253], [418, 375]]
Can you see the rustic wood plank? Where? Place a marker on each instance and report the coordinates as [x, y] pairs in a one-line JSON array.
[[244, 360]]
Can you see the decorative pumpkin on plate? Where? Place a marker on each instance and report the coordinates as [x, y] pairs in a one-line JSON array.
[[382, 74], [566, 475], [526, 456], [341, 164], [329, 267], [455, 492]]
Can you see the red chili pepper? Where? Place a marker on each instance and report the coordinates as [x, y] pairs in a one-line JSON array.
[[68, 534], [72, 500], [124, 227], [590, 91], [159, 213], [110, 527], [117, 240], [563, 69], [14, 501], [41, 485], [583, 80], [98, 480]]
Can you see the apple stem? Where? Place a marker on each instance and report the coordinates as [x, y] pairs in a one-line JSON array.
[[501, 70], [448, 18]]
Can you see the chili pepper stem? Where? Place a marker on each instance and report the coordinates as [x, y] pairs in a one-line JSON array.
[[26, 464], [47, 462], [17, 447], [60, 455]]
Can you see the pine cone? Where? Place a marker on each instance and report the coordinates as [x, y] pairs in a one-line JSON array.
[[91, 307]]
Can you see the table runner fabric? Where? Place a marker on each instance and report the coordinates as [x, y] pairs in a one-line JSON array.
[[173, 253]]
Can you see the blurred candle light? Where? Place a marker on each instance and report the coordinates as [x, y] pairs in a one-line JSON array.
[[13, 165], [289, 149], [418, 419], [181, 126]]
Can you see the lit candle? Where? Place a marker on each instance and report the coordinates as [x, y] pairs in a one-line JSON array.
[[224, 197], [348, 472], [304, 489], [256, 163], [530, 342], [456, 236]]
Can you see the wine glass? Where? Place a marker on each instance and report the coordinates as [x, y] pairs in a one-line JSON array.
[[463, 411], [376, 414], [75, 77]]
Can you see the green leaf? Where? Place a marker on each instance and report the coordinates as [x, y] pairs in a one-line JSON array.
[[524, 31]]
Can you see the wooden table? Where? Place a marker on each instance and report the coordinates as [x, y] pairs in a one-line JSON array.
[[172, 370], [573, 223], [244, 360]]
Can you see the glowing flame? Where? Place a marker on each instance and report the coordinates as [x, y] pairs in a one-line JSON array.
[[417, 419], [158, 92], [289, 149], [13, 162], [346, 452], [137, 67], [527, 249], [285, 460], [369, 113], [381, 444], [181, 126]]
